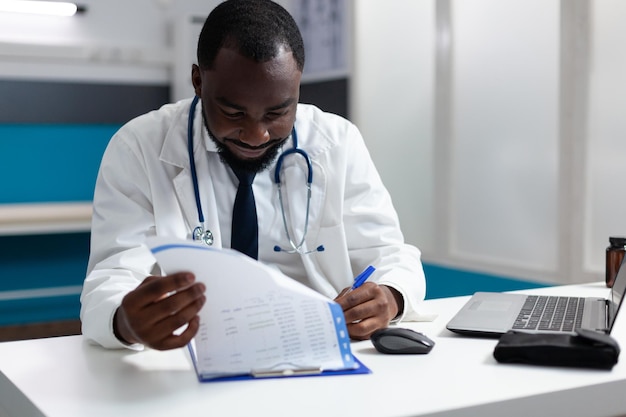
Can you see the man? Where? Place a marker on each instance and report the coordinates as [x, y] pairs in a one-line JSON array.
[[247, 81]]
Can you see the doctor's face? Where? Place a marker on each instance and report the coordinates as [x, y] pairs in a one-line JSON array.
[[249, 107]]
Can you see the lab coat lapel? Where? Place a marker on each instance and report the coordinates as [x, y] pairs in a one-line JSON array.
[[312, 261], [294, 180], [333, 262], [175, 152]]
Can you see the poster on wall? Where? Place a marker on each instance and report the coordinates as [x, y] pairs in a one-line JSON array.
[[324, 27]]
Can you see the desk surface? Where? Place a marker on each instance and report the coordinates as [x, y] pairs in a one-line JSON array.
[[67, 377]]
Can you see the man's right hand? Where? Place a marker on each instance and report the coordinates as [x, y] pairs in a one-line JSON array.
[[159, 306]]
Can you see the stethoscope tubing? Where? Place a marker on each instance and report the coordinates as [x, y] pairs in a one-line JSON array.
[[192, 162], [295, 149]]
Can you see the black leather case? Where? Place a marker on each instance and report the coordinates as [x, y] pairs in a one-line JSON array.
[[586, 349]]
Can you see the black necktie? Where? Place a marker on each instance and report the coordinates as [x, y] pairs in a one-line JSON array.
[[244, 229]]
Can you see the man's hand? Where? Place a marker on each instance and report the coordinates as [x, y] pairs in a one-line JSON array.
[[157, 307], [369, 308]]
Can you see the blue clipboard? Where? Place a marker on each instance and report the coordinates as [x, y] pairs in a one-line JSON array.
[[359, 369]]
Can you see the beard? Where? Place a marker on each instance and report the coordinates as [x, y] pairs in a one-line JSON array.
[[251, 165]]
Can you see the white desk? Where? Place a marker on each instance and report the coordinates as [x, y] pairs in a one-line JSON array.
[[66, 377]]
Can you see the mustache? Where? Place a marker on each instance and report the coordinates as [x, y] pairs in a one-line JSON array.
[[268, 144]]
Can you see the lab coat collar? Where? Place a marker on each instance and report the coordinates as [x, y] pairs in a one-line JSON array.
[[311, 137], [174, 150]]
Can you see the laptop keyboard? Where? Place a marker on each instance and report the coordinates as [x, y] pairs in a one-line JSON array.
[[550, 313]]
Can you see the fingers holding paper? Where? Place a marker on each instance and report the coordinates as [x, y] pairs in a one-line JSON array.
[[367, 309], [159, 306]]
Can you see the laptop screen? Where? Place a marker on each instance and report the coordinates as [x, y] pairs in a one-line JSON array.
[[617, 293]]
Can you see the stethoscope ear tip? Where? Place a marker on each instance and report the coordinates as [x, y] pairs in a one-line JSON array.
[[320, 248], [277, 248]]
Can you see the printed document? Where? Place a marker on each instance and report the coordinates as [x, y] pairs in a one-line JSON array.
[[256, 319]]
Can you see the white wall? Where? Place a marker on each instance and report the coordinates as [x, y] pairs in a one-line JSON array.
[[515, 147], [391, 101], [605, 163], [504, 159]]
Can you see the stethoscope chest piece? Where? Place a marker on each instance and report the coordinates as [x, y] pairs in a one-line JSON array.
[[203, 235]]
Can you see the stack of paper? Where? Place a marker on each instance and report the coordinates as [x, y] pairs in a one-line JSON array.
[[257, 321]]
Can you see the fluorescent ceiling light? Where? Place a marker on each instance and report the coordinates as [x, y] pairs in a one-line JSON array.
[[39, 7]]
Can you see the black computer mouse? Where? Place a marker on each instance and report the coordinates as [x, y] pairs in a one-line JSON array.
[[398, 340]]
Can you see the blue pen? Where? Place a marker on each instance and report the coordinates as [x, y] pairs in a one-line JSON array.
[[361, 278]]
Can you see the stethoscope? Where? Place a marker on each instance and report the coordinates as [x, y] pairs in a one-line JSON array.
[[204, 235]]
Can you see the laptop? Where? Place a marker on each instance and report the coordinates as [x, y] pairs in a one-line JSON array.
[[492, 313]]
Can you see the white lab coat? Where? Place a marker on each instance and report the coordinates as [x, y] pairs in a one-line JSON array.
[[145, 188]]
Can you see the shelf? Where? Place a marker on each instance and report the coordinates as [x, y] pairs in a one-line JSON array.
[[45, 218]]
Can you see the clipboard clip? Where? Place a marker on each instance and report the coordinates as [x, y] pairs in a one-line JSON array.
[[286, 372]]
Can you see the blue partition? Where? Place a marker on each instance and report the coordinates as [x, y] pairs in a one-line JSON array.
[[52, 137], [449, 282], [41, 277], [50, 163]]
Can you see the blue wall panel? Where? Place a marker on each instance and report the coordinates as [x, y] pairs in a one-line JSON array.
[[450, 282], [45, 163], [37, 261], [39, 310]]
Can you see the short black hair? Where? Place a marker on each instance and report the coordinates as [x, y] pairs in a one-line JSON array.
[[256, 28]]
